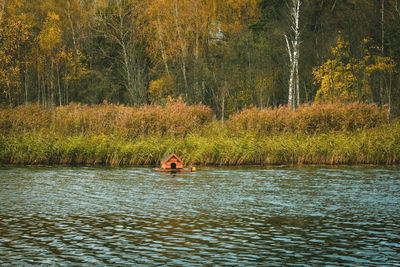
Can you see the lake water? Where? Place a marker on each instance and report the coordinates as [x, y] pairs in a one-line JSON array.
[[134, 216]]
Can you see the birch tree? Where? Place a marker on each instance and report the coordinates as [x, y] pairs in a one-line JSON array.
[[117, 23], [293, 45], [176, 36]]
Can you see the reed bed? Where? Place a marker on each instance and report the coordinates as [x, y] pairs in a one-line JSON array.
[[136, 136], [309, 118], [369, 147], [113, 120]]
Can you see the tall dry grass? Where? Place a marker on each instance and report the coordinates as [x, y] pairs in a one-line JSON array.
[[117, 120], [118, 135], [309, 118]]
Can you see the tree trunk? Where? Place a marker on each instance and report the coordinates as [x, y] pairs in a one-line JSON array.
[[3, 5], [66, 93], [333, 6], [197, 92], [127, 71], [297, 51], [223, 109], [383, 25], [44, 96], [127, 65], [297, 85], [59, 85], [38, 80], [294, 54], [290, 101], [197, 33], [382, 48], [183, 46], [71, 24], [161, 40], [390, 96], [26, 85], [52, 83], [261, 95]]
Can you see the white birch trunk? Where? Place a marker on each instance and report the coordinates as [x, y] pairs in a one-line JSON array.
[[293, 45], [290, 101], [297, 53]]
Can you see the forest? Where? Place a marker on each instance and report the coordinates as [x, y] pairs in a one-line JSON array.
[[225, 54]]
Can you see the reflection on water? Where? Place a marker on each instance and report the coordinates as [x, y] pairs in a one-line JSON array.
[[312, 216]]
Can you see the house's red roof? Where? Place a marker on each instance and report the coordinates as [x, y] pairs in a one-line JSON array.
[[171, 155]]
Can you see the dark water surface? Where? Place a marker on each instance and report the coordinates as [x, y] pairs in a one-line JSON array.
[[99, 216]]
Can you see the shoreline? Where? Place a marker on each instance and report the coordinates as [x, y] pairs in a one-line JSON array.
[[206, 167]]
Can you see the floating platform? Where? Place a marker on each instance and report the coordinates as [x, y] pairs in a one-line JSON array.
[[193, 169]]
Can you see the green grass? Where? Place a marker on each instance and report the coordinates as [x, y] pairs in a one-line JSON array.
[[244, 141], [365, 147]]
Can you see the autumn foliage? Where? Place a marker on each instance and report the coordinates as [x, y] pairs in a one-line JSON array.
[[343, 78]]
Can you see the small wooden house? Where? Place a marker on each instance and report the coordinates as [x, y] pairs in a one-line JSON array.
[[172, 162]]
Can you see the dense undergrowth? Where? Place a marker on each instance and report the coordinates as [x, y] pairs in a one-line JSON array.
[[119, 135]]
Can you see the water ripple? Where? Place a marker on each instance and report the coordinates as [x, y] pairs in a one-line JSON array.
[[100, 216]]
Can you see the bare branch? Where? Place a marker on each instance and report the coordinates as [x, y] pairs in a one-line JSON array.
[[334, 5]]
